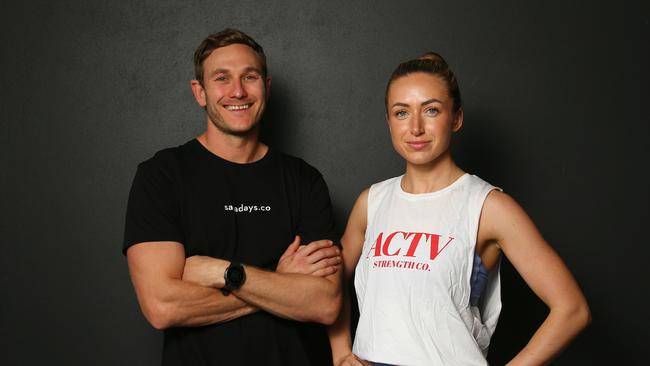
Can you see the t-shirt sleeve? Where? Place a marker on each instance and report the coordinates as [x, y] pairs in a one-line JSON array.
[[153, 210], [316, 221]]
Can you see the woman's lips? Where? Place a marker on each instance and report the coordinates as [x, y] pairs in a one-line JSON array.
[[418, 145]]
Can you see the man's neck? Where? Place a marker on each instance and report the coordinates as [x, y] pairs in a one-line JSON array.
[[237, 149]]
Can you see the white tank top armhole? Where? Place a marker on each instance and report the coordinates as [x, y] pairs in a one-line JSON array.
[[490, 305]]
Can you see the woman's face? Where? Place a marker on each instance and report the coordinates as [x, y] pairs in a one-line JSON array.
[[421, 118]]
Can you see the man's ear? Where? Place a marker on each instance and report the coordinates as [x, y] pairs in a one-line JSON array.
[[458, 120], [199, 92], [268, 86]]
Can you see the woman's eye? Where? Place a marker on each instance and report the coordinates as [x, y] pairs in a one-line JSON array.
[[401, 114], [432, 111]]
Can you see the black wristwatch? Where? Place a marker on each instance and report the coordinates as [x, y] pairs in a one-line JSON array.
[[234, 276]]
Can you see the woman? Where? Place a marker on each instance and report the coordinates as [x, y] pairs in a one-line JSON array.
[[426, 246]]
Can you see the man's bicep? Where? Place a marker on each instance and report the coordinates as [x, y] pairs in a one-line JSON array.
[[156, 260], [152, 265]]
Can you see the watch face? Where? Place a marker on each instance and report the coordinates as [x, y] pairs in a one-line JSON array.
[[236, 274]]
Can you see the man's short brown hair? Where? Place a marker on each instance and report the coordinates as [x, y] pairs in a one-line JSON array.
[[225, 38]]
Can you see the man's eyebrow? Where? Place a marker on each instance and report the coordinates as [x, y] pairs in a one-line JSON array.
[[220, 71], [228, 72], [252, 69]]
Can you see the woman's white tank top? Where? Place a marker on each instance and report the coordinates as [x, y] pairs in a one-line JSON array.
[[413, 277]]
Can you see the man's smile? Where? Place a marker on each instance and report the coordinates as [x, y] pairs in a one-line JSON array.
[[237, 107]]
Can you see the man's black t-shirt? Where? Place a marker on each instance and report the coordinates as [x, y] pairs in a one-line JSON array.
[[247, 213]]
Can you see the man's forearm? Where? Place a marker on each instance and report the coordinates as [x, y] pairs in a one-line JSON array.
[[305, 286], [166, 300], [293, 296], [188, 304]]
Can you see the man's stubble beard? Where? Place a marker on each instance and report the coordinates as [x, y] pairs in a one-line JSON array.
[[217, 121]]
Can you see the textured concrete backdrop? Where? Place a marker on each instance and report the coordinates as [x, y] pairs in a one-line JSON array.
[[556, 113]]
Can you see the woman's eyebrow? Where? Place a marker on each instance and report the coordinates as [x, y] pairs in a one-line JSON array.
[[432, 100]]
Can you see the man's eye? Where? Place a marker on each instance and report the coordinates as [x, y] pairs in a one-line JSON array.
[[220, 78], [251, 77]]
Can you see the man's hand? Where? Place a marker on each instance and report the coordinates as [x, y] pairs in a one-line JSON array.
[[205, 271], [318, 258]]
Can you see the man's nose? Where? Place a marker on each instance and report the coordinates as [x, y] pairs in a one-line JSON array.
[[238, 90]]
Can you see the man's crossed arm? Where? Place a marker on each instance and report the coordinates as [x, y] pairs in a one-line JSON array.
[[175, 291]]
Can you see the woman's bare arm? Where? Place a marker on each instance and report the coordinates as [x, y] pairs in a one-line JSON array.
[[505, 222]]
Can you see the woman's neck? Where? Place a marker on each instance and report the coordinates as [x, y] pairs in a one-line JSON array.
[[430, 177]]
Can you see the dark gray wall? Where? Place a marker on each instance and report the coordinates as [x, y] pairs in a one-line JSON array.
[[556, 102]]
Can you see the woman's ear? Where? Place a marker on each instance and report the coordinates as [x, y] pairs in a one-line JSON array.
[[458, 120]]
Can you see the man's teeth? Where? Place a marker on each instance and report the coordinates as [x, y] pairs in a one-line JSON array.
[[237, 107]]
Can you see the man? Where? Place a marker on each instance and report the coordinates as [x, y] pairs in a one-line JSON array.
[[212, 230]]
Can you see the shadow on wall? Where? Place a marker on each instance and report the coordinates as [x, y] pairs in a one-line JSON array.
[[276, 123], [480, 148], [278, 130], [521, 315]]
